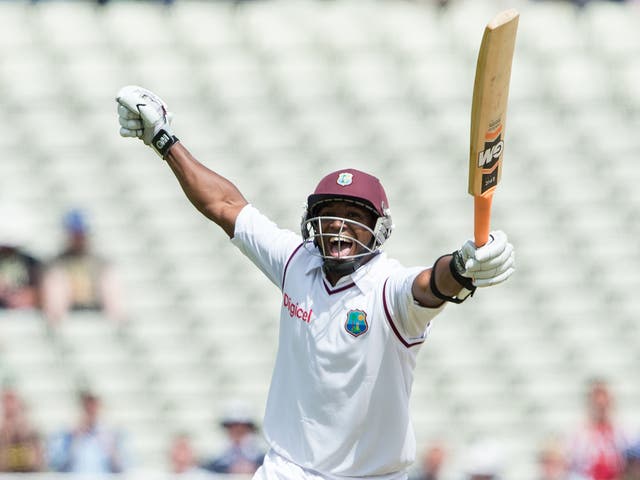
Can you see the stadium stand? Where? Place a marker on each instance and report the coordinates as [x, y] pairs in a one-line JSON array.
[[273, 95]]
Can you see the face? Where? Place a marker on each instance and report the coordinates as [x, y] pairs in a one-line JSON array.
[[10, 404], [599, 402], [433, 458], [182, 454], [238, 431], [342, 238], [552, 465], [91, 407], [78, 241]]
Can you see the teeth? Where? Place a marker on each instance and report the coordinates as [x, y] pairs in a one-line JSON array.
[[340, 239]]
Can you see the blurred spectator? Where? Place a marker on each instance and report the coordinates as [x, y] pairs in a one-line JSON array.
[[632, 463], [595, 450], [20, 272], [78, 279], [20, 444], [182, 456], [90, 447], [582, 3], [245, 452], [438, 3], [164, 2], [104, 2], [431, 464], [552, 462], [484, 461]]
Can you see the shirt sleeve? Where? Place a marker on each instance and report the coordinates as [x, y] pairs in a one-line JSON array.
[[264, 243], [411, 320]]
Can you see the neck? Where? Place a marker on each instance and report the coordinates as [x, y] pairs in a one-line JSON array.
[[336, 269], [333, 277]]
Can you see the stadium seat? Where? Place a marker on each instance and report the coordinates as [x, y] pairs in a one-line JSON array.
[[274, 95]]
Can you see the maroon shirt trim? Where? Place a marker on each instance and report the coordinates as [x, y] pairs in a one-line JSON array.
[[390, 320], [286, 266], [327, 287]]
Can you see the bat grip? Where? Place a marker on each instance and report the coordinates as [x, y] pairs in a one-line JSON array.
[[482, 218]]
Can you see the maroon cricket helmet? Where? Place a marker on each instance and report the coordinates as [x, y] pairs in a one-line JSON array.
[[351, 185]]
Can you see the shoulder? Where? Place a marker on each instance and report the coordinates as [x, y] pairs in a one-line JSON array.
[[250, 218], [389, 270], [251, 222], [301, 260], [256, 230]]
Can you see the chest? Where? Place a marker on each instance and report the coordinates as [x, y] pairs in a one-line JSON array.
[[341, 321]]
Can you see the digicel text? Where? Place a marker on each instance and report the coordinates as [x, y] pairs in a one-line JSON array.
[[295, 310]]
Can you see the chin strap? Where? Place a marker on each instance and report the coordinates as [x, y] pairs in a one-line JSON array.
[[345, 267]]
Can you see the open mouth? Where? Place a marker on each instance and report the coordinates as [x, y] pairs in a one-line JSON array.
[[340, 246]]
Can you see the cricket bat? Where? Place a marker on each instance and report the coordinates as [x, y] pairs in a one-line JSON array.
[[488, 115]]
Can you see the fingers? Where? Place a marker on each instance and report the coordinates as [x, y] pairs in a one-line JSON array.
[[492, 263], [138, 109], [494, 280], [126, 113], [131, 124], [129, 97], [125, 132], [475, 265], [135, 102], [494, 247], [143, 114], [486, 271]]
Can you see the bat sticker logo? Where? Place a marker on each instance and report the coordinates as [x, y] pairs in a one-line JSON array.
[[491, 153], [489, 157]]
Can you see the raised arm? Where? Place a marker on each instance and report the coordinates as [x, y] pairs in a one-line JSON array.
[[213, 195], [144, 115]]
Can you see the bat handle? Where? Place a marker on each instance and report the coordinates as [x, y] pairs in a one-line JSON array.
[[482, 218]]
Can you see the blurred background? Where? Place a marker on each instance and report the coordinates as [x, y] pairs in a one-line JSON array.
[[131, 299]]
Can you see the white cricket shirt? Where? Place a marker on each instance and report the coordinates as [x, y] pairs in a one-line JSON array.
[[339, 397]]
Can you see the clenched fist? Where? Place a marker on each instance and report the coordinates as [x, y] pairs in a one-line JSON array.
[[144, 115]]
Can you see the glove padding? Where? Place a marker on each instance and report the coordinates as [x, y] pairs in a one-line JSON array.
[[488, 265], [144, 115]]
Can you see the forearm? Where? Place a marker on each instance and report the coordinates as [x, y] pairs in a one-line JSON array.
[[446, 284], [213, 195]]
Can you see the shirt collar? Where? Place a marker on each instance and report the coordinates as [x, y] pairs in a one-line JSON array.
[[360, 277], [314, 263]]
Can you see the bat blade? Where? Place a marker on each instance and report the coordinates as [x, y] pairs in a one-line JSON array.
[[488, 116]]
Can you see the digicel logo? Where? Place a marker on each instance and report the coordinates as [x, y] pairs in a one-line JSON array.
[[295, 310]]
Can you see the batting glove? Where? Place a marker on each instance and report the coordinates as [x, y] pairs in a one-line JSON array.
[[488, 265], [144, 115]]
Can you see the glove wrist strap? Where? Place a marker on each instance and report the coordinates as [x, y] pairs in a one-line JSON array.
[[163, 141], [467, 291], [457, 267]]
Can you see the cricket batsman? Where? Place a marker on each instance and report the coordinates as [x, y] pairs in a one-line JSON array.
[[352, 320]]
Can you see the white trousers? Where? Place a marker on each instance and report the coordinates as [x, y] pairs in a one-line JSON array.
[[276, 467]]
